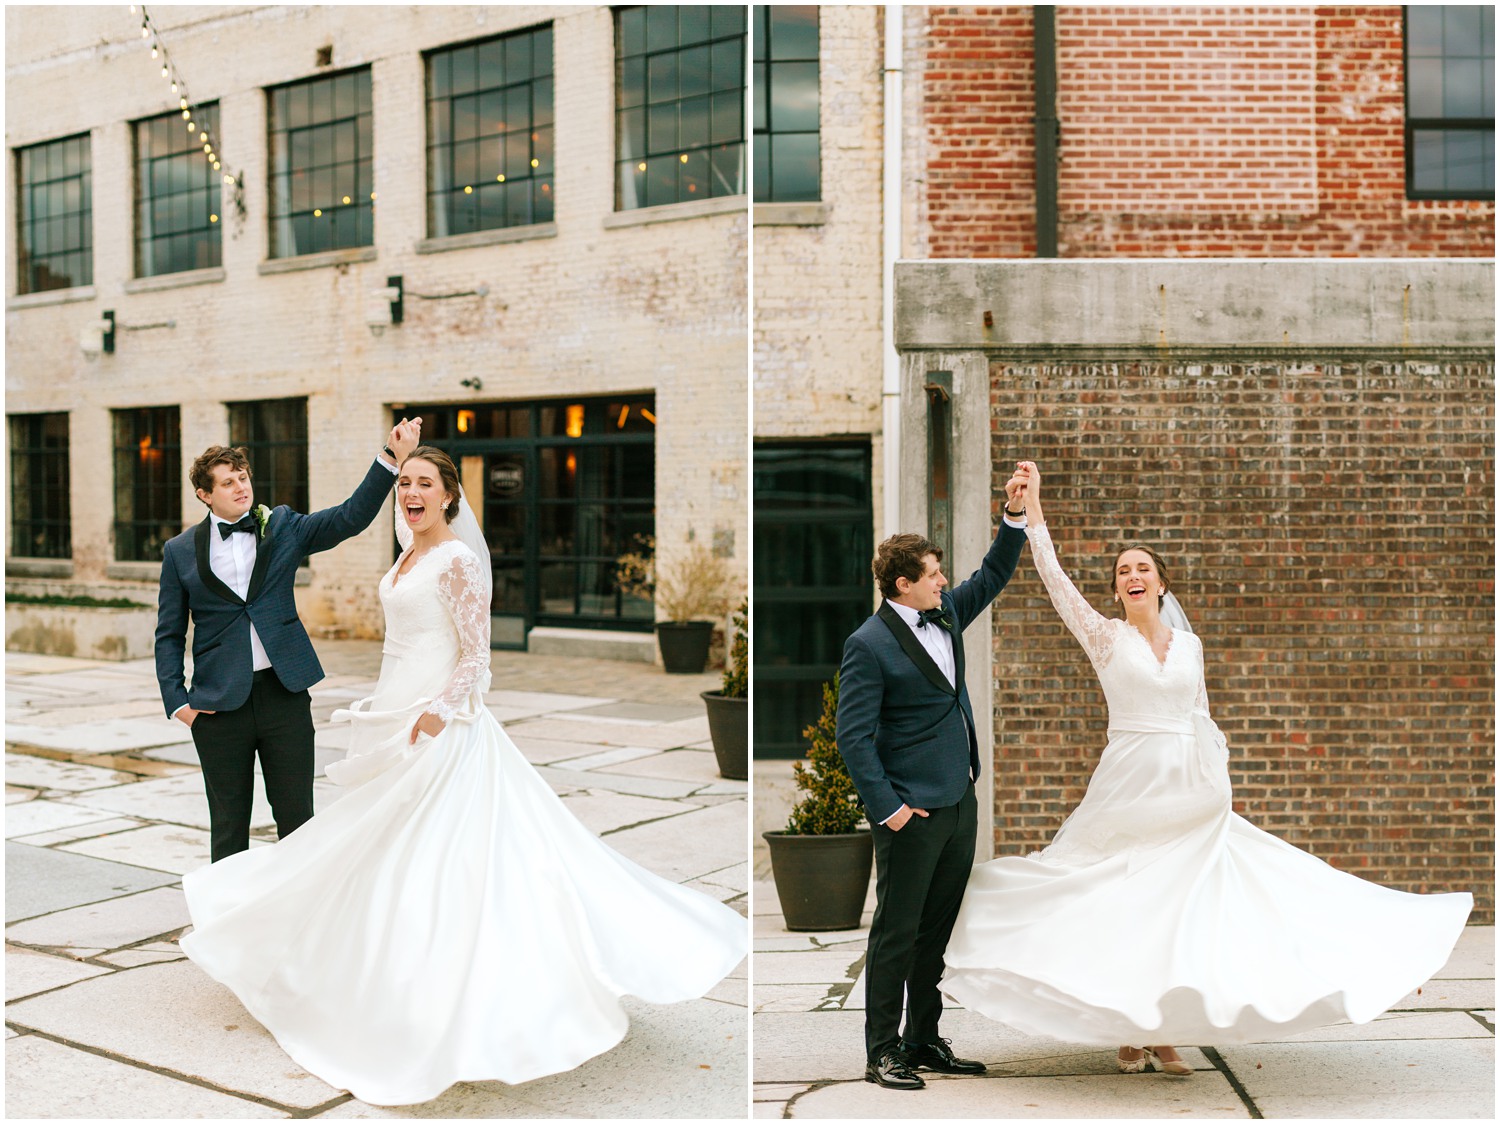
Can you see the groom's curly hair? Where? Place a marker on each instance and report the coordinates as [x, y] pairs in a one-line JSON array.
[[201, 474], [900, 556]]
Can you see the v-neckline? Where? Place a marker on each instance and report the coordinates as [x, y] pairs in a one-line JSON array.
[[1161, 664], [397, 575]]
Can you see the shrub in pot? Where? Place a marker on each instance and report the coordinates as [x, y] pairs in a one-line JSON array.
[[729, 707], [691, 593]]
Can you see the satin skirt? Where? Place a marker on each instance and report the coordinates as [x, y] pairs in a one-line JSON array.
[[1158, 916], [448, 920]]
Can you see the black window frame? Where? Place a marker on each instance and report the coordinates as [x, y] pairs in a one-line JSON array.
[[165, 149], [787, 679], [75, 227], [525, 155], [151, 435], [269, 429], [306, 199], [40, 511], [641, 67], [764, 129], [1444, 125]]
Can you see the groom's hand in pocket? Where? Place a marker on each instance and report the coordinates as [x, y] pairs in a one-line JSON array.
[[429, 724], [899, 820]]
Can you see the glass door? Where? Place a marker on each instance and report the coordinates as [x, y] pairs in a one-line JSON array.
[[509, 487]]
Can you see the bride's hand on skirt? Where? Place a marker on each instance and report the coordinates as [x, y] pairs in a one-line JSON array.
[[429, 724]]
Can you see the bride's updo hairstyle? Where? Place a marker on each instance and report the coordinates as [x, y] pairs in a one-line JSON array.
[[447, 473], [1161, 569]]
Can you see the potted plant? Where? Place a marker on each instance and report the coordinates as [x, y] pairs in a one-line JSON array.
[[690, 593], [821, 862], [729, 707]]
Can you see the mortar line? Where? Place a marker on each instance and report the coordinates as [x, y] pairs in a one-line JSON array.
[[1234, 1082]]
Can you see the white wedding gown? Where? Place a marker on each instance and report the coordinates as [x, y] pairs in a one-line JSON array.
[[447, 919], [1157, 915]]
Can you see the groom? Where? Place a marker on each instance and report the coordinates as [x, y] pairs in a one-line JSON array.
[[906, 731], [232, 575]]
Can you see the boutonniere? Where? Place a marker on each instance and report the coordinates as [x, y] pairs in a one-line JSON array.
[[262, 517]]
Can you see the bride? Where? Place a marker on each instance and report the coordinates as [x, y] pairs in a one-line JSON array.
[[447, 919], [1157, 914]]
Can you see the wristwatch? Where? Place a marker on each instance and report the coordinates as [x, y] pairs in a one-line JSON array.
[[388, 451]]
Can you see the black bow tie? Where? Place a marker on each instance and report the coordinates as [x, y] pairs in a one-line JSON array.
[[246, 524], [928, 616]]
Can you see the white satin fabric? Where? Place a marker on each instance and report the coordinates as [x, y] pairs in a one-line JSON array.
[[447, 919], [1157, 915]]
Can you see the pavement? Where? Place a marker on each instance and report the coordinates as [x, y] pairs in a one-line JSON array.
[[1432, 1056], [106, 811]]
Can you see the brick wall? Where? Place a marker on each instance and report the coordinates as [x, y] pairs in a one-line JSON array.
[[1257, 131], [1328, 527]]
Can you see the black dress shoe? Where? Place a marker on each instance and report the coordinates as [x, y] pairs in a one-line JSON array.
[[892, 1072], [937, 1056]]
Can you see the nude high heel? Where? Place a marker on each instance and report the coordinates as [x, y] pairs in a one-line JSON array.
[[1175, 1068], [1136, 1066]]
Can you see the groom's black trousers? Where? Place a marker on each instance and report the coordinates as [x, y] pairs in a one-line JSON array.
[[920, 875], [275, 723]]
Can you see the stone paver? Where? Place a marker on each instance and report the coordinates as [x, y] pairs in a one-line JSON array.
[[1431, 1057], [106, 811], [45, 1079]]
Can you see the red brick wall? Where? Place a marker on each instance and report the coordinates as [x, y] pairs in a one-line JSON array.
[[1195, 132], [1329, 530]]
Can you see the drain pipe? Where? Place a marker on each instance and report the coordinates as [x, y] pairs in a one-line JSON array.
[[891, 237], [1044, 67]]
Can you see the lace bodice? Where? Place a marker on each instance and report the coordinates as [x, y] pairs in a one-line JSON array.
[[1135, 682], [440, 610]]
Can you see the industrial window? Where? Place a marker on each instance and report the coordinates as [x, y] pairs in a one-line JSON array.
[[322, 159], [489, 134], [55, 215], [787, 145], [148, 481], [1450, 101], [679, 104], [177, 201], [40, 526]]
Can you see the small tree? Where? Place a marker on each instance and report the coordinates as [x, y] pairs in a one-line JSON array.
[[736, 667], [831, 805]]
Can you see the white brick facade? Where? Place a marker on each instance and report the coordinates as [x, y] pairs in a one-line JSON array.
[[595, 303]]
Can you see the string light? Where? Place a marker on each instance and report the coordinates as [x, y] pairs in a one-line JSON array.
[[185, 104]]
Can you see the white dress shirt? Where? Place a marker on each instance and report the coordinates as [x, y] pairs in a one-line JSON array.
[[233, 561]]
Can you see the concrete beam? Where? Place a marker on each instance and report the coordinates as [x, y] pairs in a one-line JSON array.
[[1417, 307]]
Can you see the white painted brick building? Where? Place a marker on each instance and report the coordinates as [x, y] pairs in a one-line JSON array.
[[596, 304]]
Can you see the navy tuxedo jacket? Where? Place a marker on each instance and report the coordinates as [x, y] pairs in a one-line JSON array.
[[905, 734], [222, 662]]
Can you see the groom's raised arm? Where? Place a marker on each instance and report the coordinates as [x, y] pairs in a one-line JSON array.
[[327, 528], [861, 688], [974, 594]]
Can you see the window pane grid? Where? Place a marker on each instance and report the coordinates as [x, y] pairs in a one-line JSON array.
[[40, 522], [322, 161], [1450, 93], [148, 482], [786, 125], [490, 138], [55, 219], [177, 195], [679, 104], [274, 435]]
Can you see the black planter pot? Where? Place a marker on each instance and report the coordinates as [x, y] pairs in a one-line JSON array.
[[821, 879], [684, 645], [729, 727]]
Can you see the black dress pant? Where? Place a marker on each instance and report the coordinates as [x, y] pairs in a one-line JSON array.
[[920, 875], [276, 724]]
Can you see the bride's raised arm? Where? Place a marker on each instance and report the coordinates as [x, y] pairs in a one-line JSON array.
[[1093, 630], [464, 589]]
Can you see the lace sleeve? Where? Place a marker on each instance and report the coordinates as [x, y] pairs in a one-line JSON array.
[[1094, 630], [1201, 702], [464, 592]]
